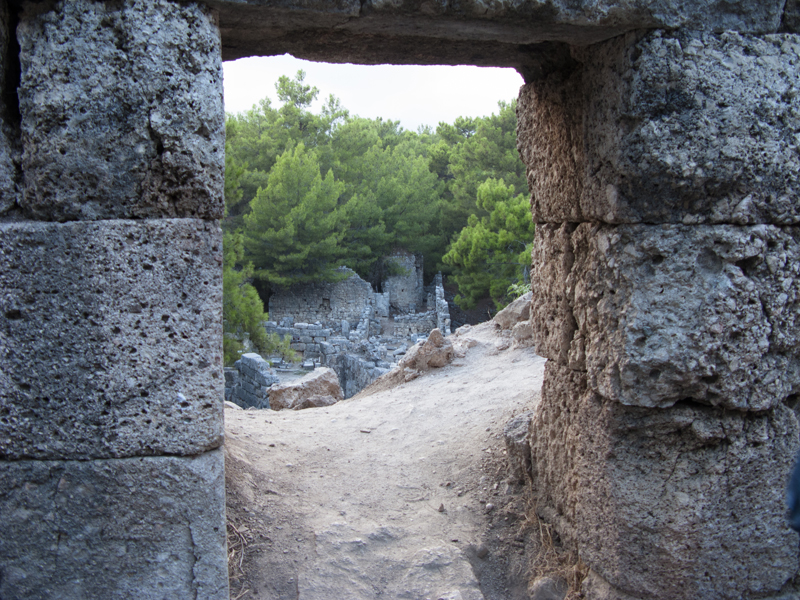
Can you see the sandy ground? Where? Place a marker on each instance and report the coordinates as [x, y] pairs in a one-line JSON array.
[[398, 493]]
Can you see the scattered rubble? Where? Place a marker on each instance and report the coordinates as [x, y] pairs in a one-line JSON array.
[[360, 333]]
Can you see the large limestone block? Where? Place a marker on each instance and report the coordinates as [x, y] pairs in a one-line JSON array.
[[665, 313], [110, 338], [666, 504], [668, 128], [791, 17], [318, 388], [464, 32], [122, 113], [146, 528], [516, 312]]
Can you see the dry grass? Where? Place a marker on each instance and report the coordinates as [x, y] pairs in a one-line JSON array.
[[237, 545], [551, 558]]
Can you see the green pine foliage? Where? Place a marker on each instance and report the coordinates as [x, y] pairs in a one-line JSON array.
[[293, 231], [243, 313], [493, 252], [309, 191]]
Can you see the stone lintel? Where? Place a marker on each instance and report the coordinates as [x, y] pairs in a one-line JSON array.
[[351, 28]]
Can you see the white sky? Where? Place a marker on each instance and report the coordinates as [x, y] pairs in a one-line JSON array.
[[413, 95]]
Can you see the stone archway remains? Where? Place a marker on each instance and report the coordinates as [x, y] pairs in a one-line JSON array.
[[661, 141]]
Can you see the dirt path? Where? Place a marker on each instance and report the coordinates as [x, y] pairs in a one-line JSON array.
[[397, 494]]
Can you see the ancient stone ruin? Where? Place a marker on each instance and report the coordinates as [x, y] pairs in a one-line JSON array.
[[661, 140], [358, 332]]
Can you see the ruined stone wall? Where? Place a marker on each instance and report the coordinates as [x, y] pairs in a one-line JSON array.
[[355, 372], [441, 306], [306, 337], [405, 287], [326, 303], [250, 384], [664, 178], [407, 325], [111, 472]]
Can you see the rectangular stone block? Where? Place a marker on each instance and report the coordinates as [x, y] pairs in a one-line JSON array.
[[668, 128], [670, 312], [251, 26], [146, 528], [122, 113], [110, 338], [666, 504], [9, 142]]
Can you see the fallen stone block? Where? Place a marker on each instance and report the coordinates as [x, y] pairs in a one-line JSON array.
[[315, 401], [435, 352], [516, 312], [697, 490], [659, 314], [518, 446], [110, 339], [147, 528], [321, 382]]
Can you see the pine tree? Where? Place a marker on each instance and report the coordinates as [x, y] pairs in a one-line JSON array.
[[242, 310], [493, 252], [295, 226]]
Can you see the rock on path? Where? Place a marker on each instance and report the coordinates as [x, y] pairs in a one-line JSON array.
[[381, 495]]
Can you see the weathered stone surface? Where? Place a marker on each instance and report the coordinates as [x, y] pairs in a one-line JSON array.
[[696, 490], [791, 17], [435, 352], [149, 528], [329, 303], [110, 338], [404, 283], [668, 128], [550, 143], [122, 112], [471, 32], [516, 312], [518, 446], [9, 150], [316, 401], [547, 588], [551, 307], [665, 313], [251, 385], [321, 382], [354, 372]]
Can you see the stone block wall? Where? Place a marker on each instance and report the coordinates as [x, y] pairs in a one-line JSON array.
[[306, 337], [327, 303], [663, 170], [407, 325], [251, 382], [111, 472], [355, 372], [405, 289]]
